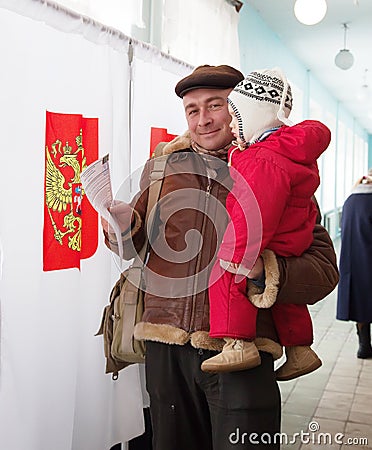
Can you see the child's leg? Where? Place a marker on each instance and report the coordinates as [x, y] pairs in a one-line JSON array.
[[295, 331], [233, 318], [231, 313], [293, 324]]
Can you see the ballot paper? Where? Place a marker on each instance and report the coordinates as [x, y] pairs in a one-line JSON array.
[[96, 182]]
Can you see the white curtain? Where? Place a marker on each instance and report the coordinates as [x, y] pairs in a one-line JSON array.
[[54, 393], [154, 80], [201, 31]]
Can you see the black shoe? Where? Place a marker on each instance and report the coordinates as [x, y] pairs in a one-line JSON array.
[[364, 335]]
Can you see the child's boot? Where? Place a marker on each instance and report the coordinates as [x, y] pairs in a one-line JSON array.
[[301, 359], [236, 354]]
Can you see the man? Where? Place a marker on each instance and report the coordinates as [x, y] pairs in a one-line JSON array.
[[191, 409]]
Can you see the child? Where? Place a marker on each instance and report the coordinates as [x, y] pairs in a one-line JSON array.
[[274, 164]]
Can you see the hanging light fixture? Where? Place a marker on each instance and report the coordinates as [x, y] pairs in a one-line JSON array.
[[310, 12], [364, 94], [344, 59]]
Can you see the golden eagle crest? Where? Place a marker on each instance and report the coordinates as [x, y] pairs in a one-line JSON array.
[[63, 190]]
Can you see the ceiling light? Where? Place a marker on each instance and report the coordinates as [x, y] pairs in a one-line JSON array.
[[364, 94], [344, 59], [310, 12]]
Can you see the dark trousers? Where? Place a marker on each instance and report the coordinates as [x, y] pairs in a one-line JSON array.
[[194, 410]]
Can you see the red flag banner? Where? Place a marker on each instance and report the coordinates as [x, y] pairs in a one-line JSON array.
[[159, 135], [70, 222]]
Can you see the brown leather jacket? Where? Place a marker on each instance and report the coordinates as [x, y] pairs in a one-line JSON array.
[[189, 225]]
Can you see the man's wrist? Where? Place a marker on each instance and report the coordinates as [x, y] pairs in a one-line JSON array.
[[260, 281], [125, 232], [257, 270]]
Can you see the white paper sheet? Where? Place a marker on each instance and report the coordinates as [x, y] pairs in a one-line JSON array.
[[96, 181]]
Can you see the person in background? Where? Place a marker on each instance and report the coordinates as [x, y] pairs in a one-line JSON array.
[[191, 409], [267, 147], [354, 297]]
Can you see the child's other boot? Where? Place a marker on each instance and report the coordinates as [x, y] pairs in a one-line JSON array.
[[301, 359]]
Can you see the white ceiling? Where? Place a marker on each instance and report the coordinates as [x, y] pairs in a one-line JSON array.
[[317, 45]]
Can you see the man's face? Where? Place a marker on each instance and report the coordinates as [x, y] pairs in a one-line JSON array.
[[208, 117]]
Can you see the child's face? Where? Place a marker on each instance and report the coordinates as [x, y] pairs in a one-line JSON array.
[[234, 126]]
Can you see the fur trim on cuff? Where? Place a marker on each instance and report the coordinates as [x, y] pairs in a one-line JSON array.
[[201, 339], [131, 231], [267, 298], [137, 225], [269, 346], [145, 331]]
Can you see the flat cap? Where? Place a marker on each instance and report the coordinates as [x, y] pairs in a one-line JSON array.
[[209, 77]]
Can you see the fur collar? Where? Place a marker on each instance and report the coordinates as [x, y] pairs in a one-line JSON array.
[[178, 143]]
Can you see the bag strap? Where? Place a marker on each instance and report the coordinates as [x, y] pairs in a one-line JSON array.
[[156, 181], [134, 272]]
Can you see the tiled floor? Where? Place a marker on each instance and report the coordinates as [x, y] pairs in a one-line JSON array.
[[334, 404]]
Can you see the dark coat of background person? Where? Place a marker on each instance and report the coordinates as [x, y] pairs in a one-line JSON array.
[[355, 286]]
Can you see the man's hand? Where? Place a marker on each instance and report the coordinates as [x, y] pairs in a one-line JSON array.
[[122, 214], [257, 269]]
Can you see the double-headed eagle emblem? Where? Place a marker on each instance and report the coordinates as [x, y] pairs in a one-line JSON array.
[[63, 190]]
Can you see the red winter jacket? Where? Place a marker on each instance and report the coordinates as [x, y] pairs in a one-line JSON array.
[[282, 174]]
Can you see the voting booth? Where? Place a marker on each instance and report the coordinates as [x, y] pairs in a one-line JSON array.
[[106, 92]]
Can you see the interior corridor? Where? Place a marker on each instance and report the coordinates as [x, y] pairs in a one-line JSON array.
[[335, 399]]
